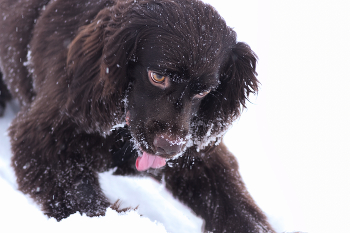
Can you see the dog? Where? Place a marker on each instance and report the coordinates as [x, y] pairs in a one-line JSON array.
[[146, 87]]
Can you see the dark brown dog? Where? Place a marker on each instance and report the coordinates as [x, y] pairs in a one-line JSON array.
[[167, 75]]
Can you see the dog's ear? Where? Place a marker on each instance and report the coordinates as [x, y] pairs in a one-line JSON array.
[[97, 64], [237, 81]]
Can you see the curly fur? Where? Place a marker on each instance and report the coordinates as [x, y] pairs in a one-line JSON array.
[[81, 68]]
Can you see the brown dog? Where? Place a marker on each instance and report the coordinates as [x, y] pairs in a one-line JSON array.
[[167, 75]]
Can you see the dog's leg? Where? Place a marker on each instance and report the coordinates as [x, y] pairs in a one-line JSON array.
[[209, 182], [57, 166]]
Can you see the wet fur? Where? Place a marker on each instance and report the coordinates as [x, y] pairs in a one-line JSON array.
[[87, 70]]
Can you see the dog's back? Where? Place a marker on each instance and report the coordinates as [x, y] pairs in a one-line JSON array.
[[18, 20], [24, 20]]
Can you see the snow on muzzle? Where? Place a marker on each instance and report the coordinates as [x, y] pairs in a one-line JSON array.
[[165, 147]]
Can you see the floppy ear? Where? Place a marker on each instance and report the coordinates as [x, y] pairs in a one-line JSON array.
[[97, 71], [237, 81]]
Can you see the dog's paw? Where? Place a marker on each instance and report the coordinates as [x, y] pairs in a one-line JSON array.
[[116, 207], [89, 199], [58, 210], [96, 209]]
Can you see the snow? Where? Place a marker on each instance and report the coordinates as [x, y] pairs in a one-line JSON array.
[[292, 143], [16, 207]]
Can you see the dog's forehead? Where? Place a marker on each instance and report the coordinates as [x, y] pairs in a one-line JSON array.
[[184, 37], [168, 55]]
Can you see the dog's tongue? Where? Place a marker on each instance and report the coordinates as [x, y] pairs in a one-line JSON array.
[[149, 161]]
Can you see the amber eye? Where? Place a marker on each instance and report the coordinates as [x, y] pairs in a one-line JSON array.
[[202, 94], [157, 78]]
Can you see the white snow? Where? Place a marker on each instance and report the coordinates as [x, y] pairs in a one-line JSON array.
[[19, 214], [292, 143]]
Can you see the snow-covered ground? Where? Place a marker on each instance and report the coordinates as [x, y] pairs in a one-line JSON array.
[[293, 142]]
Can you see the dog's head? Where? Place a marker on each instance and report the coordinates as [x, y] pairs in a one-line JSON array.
[[172, 70]]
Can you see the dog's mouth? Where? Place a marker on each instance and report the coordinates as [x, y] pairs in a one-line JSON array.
[[162, 148], [147, 161], [158, 159]]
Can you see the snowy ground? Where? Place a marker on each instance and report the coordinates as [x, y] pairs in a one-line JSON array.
[[292, 143]]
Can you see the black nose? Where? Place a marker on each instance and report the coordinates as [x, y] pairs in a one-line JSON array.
[[165, 146]]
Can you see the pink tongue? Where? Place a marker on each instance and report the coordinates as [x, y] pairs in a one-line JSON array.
[[149, 161]]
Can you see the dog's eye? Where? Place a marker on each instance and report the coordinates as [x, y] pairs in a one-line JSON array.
[[157, 78], [202, 94]]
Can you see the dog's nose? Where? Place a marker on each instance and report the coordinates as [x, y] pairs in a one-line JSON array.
[[166, 146]]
